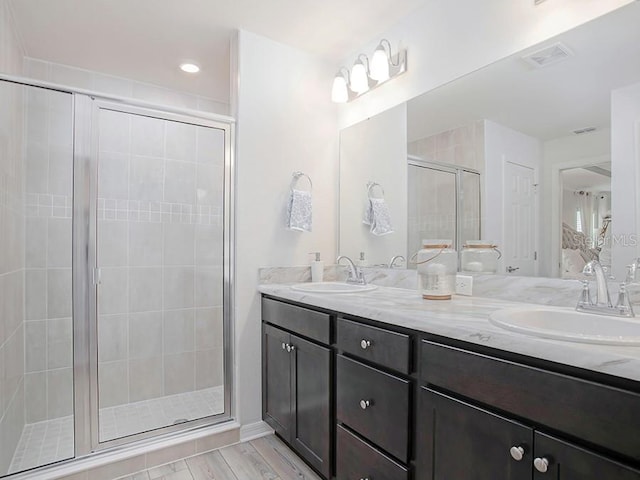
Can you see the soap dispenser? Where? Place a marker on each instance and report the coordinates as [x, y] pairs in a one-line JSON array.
[[317, 268]]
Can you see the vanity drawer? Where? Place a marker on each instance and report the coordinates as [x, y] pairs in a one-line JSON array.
[[376, 345], [375, 404], [357, 460], [593, 412], [305, 322]]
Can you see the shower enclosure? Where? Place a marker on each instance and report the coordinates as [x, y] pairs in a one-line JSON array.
[[115, 273], [444, 203]]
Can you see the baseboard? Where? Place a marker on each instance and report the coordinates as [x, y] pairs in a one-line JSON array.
[[254, 430]]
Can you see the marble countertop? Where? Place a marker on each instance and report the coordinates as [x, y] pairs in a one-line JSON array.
[[466, 319]]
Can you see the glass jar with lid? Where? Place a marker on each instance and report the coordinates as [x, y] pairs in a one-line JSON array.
[[437, 267], [480, 256]]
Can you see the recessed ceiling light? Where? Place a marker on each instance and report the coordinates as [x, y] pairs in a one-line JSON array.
[[190, 68]]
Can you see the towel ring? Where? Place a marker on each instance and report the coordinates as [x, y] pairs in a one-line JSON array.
[[371, 186], [297, 176]]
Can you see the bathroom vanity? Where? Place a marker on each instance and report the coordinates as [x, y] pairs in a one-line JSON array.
[[381, 386]]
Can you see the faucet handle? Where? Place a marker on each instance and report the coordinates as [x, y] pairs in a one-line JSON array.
[[624, 302], [585, 296]]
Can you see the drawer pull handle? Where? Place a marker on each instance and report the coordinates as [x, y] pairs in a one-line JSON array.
[[364, 344], [517, 453], [541, 464], [364, 404], [365, 478]]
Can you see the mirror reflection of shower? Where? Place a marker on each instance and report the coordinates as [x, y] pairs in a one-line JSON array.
[[586, 217]]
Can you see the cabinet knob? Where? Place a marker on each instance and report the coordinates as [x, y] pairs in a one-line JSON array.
[[290, 348], [541, 464], [517, 452], [284, 346], [365, 478], [364, 344], [364, 404]]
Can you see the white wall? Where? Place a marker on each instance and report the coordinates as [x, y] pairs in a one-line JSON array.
[[625, 176], [503, 145], [11, 50], [286, 122], [374, 150], [565, 152], [446, 40]]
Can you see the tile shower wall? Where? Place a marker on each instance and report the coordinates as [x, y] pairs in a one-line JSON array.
[[12, 272], [12, 417], [160, 245], [462, 146], [119, 86], [48, 202]]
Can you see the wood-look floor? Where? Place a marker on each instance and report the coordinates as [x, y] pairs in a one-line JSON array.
[[266, 458]]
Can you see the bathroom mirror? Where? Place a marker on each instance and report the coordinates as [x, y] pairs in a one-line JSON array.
[[536, 128]]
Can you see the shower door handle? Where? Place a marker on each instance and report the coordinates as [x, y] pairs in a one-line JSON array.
[[97, 276]]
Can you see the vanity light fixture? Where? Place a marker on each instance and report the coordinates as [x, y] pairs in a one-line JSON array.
[[189, 67], [380, 62], [340, 92], [367, 75], [360, 75]]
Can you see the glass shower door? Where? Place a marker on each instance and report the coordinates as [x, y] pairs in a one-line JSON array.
[[36, 335], [160, 271], [432, 205]]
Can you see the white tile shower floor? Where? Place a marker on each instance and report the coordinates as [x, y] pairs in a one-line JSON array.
[[50, 441]]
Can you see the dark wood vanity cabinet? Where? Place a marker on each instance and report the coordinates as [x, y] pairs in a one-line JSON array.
[[359, 401], [458, 438], [458, 441], [297, 389]]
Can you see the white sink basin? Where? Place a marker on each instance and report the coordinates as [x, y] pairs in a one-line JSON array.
[[332, 287], [569, 325]]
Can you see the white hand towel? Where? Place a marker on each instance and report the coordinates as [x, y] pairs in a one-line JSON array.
[[299, 211], [378, 217]]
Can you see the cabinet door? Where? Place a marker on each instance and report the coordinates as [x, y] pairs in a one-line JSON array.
[[565, 461], [311, 403], [276, 380], [457, 441]]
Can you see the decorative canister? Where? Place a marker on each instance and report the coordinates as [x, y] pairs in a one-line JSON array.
[[480, 256], [437, 266]]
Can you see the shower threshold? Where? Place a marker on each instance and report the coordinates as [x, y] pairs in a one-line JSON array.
[[50, 441]]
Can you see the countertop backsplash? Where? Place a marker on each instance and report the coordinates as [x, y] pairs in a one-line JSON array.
[[538, 290]]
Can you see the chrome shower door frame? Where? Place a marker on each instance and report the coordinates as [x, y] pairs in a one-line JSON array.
[[85, 292]]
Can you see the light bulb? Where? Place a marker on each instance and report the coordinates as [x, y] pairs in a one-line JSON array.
[[339, 92], [359, 78], [189, 68], [380, 65]]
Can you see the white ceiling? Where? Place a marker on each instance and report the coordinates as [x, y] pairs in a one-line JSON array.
[[545, 103], [583, 179], [145, 40]]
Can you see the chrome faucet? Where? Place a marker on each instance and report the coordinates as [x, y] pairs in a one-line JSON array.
[[394, 258], [602, 302], [355, 275]]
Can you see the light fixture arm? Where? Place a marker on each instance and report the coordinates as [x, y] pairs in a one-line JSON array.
[[344, 71], [388, 50], [366, 61]]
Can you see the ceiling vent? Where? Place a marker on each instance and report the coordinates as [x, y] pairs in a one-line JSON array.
[[548, 55], [584, 130]]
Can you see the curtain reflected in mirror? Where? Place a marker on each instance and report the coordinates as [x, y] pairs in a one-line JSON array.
[[586, 217]]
